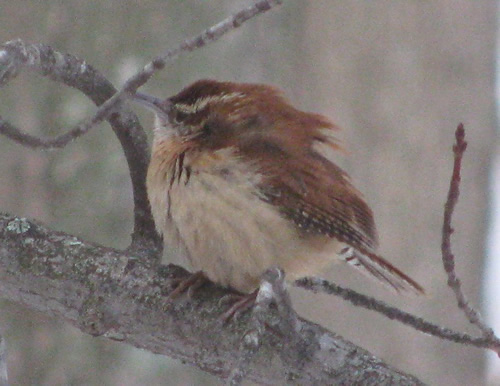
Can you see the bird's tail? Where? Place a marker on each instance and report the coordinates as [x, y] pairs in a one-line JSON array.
[[381, 270]]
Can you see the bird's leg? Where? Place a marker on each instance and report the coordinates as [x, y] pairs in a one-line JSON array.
[[242, 303], [190, 284]]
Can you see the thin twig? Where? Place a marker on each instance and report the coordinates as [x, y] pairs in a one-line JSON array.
[[11, 61], [34, 142], [60, 67], [448, 258], [320, 285], [489, 340], [66, 68]]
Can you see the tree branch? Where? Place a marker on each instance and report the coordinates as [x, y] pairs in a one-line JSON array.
[[76, 73], [107, 292], [448, 257], [68, 69], [15, 55], [320, 285]]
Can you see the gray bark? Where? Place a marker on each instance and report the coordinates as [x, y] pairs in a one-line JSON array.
[[104, 291]]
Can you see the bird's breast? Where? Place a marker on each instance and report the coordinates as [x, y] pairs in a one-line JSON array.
[[209, 207]]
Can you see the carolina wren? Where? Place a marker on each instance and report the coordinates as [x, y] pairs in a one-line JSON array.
[[240, 181]]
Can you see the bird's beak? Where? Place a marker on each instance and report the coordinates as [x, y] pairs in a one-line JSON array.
[[159, 106]]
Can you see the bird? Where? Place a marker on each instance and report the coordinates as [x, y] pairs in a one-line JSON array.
[[240, 181]]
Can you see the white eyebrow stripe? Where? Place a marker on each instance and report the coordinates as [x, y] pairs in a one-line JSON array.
[[201, 103]]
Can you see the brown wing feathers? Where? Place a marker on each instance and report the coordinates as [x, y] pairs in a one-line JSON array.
[[317, 195], [313, 192]]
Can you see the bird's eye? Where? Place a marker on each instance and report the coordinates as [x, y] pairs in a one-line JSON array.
[[180, 116], [177, 116]]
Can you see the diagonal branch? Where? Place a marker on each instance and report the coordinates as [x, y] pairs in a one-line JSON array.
[[320, 285], [113, 293]]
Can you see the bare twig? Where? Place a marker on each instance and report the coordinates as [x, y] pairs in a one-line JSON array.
[[17, 135], [448, 258], [59, 141], [15, 55], [210, 35], [489, 340], [320, 285]]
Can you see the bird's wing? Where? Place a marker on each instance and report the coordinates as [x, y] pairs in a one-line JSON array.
[[318, 196]]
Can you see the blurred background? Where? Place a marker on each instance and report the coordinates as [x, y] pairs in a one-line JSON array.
[[397, 76]]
